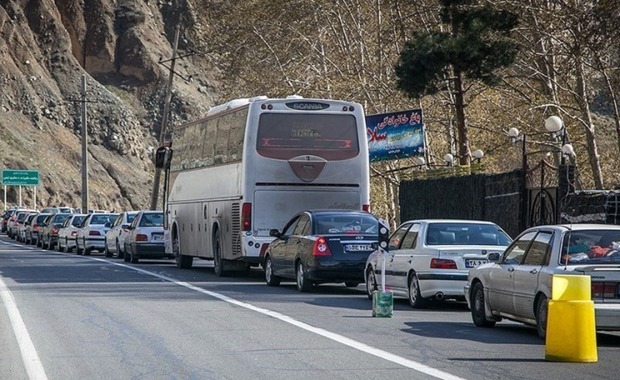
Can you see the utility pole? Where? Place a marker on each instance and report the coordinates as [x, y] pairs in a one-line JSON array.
[[164, 123], [84, 149]]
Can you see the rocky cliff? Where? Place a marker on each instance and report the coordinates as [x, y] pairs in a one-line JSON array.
[[123, 48]]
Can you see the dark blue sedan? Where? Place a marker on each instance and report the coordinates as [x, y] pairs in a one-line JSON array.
[[321, 246]]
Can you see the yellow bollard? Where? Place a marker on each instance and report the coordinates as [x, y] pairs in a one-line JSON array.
[[571, 327]]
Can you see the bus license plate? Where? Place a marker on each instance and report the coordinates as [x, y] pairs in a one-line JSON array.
[[358, 247], [470, 263]]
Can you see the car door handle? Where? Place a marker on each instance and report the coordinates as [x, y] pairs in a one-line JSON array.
[[511, 269], [534, 271]]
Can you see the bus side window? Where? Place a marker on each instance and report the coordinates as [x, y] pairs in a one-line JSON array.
[[237, 132], [221, 141], [208, 147]]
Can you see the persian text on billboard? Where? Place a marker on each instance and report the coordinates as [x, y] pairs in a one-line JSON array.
[[395, 135]]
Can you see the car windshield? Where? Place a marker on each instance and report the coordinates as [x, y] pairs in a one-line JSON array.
[[103, 219], [152, 220], [466, 234], [60, 218], [77, 220], [131, 217], [599, 246], [349, 224]]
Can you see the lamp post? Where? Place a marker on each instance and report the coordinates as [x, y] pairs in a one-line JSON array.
[[478, 154], [448, 159], [555, 127]]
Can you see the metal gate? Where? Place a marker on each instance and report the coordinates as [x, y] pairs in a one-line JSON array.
[[541, 182]]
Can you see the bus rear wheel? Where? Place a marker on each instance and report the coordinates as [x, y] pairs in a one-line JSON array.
[[218, 262], [182, 261]]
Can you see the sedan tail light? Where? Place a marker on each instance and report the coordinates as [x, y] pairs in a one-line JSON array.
[[321, 248], [94, 233], [35, 227], [55, 231], [73, 233], [141, 237], [604, 290], [443, 264]]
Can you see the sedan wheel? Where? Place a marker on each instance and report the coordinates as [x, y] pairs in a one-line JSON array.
[[270, 278], [541, 317], [371, 283], [478, 314], [303, 284], [119, 252], [106, 251], [415, 298]]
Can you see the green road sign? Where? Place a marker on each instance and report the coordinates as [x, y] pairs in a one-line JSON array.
[[20, 177]]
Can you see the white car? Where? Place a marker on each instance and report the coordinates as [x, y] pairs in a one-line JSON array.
[[517, 284], [68, 231], [115, 237], [91, 234], [146, 237], [430, 259]]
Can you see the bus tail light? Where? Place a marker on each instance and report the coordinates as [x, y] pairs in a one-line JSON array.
[[366, 208], [443, 264], [246, 217], [321, 248], [141, 237]]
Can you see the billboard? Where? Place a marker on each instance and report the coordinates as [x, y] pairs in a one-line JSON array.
[[395, 135]]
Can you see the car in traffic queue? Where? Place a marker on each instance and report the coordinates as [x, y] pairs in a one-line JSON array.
[[48, 232], [91, 233], [68, 232], [7, 215], [15, 221], [32, 229], [146, 237], [517, 284], [115, 237], [21, 229], [429, 259], [321, 246]]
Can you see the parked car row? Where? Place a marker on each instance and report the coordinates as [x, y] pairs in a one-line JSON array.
[[130, 235], [427, 261]]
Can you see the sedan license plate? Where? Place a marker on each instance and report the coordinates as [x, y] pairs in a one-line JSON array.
[[358, 247], [158, 237], [472, 263]]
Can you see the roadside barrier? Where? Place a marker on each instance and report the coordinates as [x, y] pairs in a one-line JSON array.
[[382, 304], [571, 326]]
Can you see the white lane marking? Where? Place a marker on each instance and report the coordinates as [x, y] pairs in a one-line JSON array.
[[422, 368], [32, 363], [327, 334]]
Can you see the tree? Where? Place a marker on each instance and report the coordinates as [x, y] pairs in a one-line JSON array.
[[474, 46]]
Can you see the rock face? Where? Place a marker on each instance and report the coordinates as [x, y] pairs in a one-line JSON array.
[[46, 47]]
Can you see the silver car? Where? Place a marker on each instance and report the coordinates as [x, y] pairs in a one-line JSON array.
[[429, 259], [146, 237], [517, 285]]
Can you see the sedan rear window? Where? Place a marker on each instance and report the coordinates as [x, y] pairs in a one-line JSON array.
[[152, 220], [348, 224], [466, 234], [591, 247]]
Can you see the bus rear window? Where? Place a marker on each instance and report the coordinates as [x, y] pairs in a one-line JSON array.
[[284, 136]]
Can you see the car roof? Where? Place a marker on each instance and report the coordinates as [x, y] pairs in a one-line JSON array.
[[449, 221]]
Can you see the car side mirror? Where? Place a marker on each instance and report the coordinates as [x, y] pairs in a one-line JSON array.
[[275, 233], [107, 225], [125, 226], [493, 257]]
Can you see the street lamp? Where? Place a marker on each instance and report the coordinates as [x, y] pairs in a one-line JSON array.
[[448, 159], [554, 126], [478, 154]]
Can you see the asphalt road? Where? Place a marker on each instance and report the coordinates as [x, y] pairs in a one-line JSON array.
[[97, 318]]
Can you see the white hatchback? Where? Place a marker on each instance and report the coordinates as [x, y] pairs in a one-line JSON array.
[[68, 231], [430, 259], [91, 234], [115, 237]]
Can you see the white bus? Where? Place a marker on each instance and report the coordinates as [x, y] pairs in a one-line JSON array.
[[250, 165]]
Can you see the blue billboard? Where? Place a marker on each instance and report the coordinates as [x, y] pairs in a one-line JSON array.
[[395, 135]]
